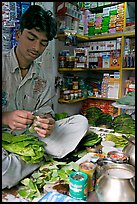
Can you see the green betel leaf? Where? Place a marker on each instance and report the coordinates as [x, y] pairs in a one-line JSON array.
[[23, 137], [28, 147], [7, 137], [27, 151], [23, 193], [25, 181]]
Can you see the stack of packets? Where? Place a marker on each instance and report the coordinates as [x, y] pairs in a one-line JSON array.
[[58, 197]]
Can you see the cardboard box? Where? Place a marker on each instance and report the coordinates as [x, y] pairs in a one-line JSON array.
[[106, 61], [115, 60], [113, 88]]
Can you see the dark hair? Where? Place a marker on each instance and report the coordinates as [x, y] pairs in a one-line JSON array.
[[40, 19]]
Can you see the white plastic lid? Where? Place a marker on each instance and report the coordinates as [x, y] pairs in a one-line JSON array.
[[108, 143]]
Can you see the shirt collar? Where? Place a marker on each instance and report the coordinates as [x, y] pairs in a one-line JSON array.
[[15, 64]]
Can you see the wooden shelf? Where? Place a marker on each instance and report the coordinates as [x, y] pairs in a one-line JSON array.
[[98, 37], [106, 99], [129, 34], [82, 99], [128, 69], [87, 69], [71, 101]]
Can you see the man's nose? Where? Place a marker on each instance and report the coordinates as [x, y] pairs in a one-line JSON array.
[[36, 45]]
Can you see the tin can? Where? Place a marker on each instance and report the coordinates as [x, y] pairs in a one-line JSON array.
[[78, 185], [89, 169]]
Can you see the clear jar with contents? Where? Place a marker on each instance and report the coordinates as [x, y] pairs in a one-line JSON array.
[[61, 60], [71, 95], [95, 92], [75, 85], [79, 93], [70, 61], [75, 94], [75, 62], [66, 95]]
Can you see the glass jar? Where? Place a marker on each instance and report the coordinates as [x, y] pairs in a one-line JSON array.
[[71, 95], [75, 85], [66, 95], [75, 94], [79, 93], [61, 60], [70, 61]]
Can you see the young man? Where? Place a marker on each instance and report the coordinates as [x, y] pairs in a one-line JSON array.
[[25, 87]]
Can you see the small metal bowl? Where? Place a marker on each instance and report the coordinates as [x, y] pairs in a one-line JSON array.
[[117, 156]]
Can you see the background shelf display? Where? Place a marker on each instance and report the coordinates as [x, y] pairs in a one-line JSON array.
[[85, 41]]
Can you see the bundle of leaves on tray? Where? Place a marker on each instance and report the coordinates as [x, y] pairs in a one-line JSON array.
[[28, 147], [93, 114], [119, 141], [90, 139], [97, 118], [124, 124], [105, 120]]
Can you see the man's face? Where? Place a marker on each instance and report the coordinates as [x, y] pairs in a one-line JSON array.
[[31, 44]]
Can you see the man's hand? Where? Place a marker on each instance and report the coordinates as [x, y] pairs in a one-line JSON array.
[[18, 119], [44, 125]]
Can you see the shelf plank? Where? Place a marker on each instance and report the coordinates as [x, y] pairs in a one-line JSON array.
[[128, 68], [71, 101], [106, 99], [99, 37], [83, 99], [87, 69]]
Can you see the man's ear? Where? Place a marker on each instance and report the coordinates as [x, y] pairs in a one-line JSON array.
[[18, 34]]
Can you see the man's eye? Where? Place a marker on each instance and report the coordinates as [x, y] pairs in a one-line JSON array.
[[31, 38], [44, 44]]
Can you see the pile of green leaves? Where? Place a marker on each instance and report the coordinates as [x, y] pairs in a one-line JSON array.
[[28, 147], [93, 114], [124, 124], [104, 120], [97, 118], [90, 139], [49, 173], [119, 141]]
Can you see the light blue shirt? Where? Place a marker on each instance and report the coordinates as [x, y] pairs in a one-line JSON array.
[[25, 93]]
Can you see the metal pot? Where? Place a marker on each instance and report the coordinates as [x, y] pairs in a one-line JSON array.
[[130, 151], [102, 165], [115, 184]]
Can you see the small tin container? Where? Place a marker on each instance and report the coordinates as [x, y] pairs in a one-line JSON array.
[[78, 185], [89, 169]]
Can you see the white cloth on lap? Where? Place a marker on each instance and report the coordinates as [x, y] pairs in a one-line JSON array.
[[67, 134]]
